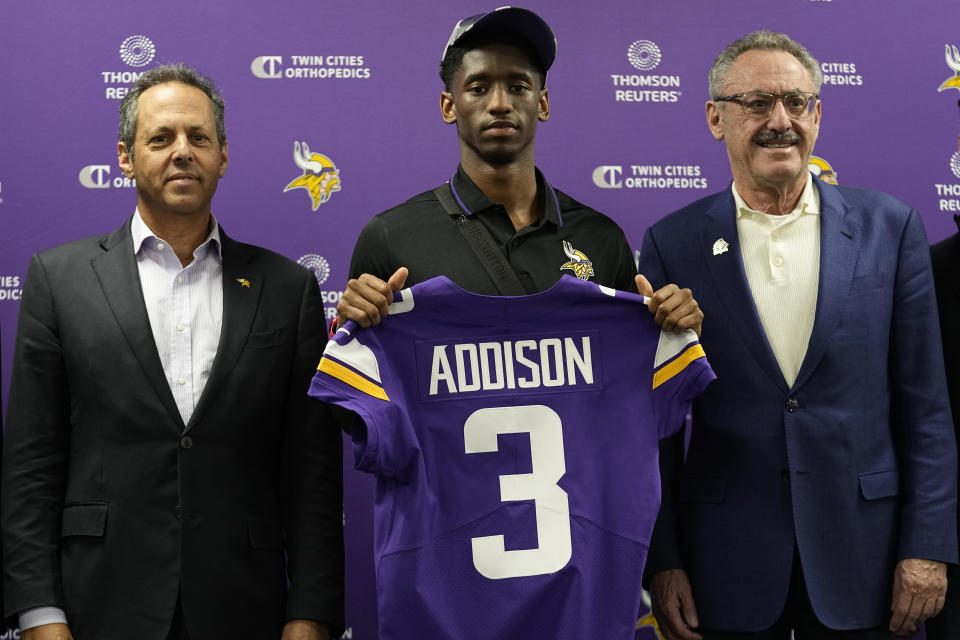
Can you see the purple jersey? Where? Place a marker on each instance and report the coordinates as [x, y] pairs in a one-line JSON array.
[[514, 440]]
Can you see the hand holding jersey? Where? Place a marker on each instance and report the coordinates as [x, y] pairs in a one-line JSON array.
[[674, 309], [366, 298]]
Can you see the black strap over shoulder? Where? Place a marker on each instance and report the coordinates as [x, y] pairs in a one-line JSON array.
[[483, 245]]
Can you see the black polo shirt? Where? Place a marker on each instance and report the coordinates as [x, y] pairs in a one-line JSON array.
[[420, 235]]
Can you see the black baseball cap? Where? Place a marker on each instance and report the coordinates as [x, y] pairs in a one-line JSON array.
[[524, 22]]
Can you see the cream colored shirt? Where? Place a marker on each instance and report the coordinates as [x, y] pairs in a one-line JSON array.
[[781, 255]]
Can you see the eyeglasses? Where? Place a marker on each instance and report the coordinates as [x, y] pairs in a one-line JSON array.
[[799, 104]]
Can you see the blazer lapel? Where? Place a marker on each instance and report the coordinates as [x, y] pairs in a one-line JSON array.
[[243, 283], [116, 269], [731, 285], [839, 248]]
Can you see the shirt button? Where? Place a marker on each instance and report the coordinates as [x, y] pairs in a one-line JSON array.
[[180, 279], [186, 442], [778, 261], [181, 381], [161, 246], [792, 404], [178, 511], [775, 236], [179, 327], [514, 242]]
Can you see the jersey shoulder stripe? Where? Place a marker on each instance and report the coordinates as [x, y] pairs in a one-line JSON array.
[[678, 364], [347, 376], [674, 352], [353, 363]]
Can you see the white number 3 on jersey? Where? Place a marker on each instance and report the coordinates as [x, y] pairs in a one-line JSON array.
[[552, 508]]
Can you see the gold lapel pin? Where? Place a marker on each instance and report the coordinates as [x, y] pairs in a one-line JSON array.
[[244, 282]]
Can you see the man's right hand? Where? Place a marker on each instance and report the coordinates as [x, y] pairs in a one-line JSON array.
[[366, 298], [672, 604], [48, 632]]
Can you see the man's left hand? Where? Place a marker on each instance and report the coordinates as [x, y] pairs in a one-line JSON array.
[[673, 308], [305, 630], [918, 589]]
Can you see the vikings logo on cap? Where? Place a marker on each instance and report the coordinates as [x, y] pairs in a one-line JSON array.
[[320, 178], [579, 263], [953, 61], [821, 169]]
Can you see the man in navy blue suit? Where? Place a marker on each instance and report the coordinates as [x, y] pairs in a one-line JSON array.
[[818, 492]]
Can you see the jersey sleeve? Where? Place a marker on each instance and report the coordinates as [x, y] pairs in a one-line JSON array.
[[681, 373], [350, 375]]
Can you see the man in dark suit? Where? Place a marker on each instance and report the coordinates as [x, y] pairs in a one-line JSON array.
[[946, 274], [818, 493], [165, 474]]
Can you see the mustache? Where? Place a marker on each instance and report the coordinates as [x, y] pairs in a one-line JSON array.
[[777, 137]]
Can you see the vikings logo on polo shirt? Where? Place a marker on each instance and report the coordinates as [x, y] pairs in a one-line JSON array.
[[579, 263]]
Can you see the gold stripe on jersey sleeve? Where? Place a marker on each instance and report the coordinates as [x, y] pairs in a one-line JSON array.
[[677, 365], [356, 381]]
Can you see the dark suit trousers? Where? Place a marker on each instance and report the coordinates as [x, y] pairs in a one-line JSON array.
[[178, 629], [798, 617]]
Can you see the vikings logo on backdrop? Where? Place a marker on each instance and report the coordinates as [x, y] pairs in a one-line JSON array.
[[953, 61], [579, 263], [821, 169], [320, 178]]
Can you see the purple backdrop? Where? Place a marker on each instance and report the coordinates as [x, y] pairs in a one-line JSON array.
[[357, 82]]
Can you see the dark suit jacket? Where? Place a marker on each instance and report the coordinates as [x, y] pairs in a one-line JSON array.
[[854, 465], [111, 505]]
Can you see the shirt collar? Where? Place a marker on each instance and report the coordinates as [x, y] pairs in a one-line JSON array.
[[472, 200], [141, 233], [809, 201]]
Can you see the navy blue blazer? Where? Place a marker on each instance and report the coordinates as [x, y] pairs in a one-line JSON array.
[[854, 465]]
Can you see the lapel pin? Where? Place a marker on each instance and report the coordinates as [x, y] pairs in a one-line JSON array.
[[720, 246], [246, 283]]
